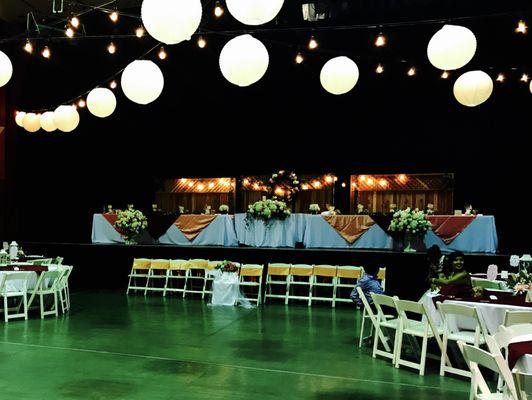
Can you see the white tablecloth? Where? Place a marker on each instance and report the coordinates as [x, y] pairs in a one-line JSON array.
[[524, 364], [18, 284]]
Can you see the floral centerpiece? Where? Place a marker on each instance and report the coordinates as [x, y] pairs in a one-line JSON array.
[[224, 209], [227, 266], [130, 223], [267, 210], [520, 282], [314, 208], [283, 184], [411, 223]]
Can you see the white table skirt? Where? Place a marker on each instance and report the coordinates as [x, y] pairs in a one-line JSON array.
[[524, 364], [18, 284]]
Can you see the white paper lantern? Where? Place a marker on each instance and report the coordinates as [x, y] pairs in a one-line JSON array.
[[254, 12], [244, 60], [47, 121], [339, 75], [19, 117], [66, 118], [101, 102], [171, 21], [142, 81], [451, 47], [473, 88], [6, 69], [530, 87], [31, 122]]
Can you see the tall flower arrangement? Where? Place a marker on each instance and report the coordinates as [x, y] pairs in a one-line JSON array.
[[130, 223], [267, 210], [283, 184], [410, 221]]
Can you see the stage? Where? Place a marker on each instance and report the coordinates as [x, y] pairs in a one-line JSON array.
[[106, 266]]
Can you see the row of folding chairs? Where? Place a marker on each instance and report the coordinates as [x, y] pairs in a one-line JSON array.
[[334, 282], [51, 291], [185, 277]]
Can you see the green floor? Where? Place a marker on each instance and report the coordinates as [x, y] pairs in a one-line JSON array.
[[115, 347]]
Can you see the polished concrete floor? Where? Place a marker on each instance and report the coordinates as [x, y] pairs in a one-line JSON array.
[[112, 346]]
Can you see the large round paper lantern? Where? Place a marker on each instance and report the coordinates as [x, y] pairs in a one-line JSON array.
[[171, 21], [31, 122], [48, 122], [473, 88], [101, 102], [254, 12], [19, 117], [142, 81], [6, 69], [339, 75], [530, 87], [451, 47], [66, 118], [244, 60]]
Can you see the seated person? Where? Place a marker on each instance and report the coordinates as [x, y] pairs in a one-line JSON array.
[[329, 210], [369, 284], [436, 261], [458, 283]]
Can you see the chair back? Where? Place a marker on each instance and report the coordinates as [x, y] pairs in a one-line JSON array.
[[251, 270], [301, 270], [198, 263], [141, 263], [178, 264], [523, 384], [452, 309], [325, 270], [405, 307], [279, 269], [381, 300], [517, 317], [518, 330], [381, 274], [488, 284], [42, 261], [348, 271], [48, 280], [14, 276], [160, 264]]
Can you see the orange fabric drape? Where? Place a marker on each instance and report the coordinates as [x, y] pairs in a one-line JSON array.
[[192, 225], [448, 227], [350, 227]]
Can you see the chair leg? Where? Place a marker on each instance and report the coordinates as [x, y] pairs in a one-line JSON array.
[[287, 293], [185, 285], [398, 346], [55, 305], [6, 311], [25, 299], [310, 292], [376, 340], [362, 328], [41, 301], [443, 355], [423, 355]]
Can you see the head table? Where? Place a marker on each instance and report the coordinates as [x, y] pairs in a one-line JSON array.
[[471, 234]]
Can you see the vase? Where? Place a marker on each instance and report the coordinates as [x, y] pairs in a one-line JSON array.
[[413, 243], [129, 241]]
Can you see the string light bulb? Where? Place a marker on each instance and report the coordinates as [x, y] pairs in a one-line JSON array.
[[114, 16], [74, 22], [299, 58], [201, 42], [81, 103], [379, 69], [312, 43], [69, 32], [162, 54], [28, 47], [380, 41], [524, 78], [411, 71], [444, 75], [46, 53], [113, 85], [111, 48], [521, 27], [139, 32], [500, 77], [218, 10]]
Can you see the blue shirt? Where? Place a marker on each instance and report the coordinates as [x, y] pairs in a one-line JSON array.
[[368, 284]]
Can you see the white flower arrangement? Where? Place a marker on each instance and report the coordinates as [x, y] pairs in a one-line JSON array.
[[224, 209], [314, 208], [268, 209], [410, 221], [130, 223]]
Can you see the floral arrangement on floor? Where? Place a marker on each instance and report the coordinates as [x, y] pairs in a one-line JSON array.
[[410, 221], [227, 266], [478, 292], [521, 282], [314, 208], [283, 184], [224, 209], [267, 210], [130, 223]]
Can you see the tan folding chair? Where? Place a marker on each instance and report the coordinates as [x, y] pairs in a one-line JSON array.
[[139, 270], [347, 277], [176, 273], [195, 272], [381, 276], [277, 276], [324, 276], [300, 275], [158, 272], [251, 276]]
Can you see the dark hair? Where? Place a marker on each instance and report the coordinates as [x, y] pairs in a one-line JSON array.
[[453, 256], [434, 254], [371, 268]]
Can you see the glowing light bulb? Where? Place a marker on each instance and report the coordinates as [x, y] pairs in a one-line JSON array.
[[411, 71], [111, 48], [46, 53], [524, 78], [379, 69], [28, 47], [370, 181], [521, 27], [202, 42], [256, 186], [316, 184], [81, 103], [343, 184], [162, 54], [113, 85], [380, 41], [328, 179], [444, 75], [69, 32], [299, 58], [184, 180], [312, 43], [74, 22], [113, 16], [190, 184], [402, 178], [245, 182], [383, 183], [218, 10], [139, 32], [500, 78], [211, 185]]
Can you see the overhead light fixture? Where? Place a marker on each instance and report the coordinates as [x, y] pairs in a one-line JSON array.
[[524, 78], [114, 16], [69, 32], [74, 21], [379, 69], [218, 10], [411, 71], [28, 47], [380, 41], [299, 58], [139, 32], [111, 48], [500, 77], [162, 54], [521, 27], [444, 75], [81, 103], [113, 85], [46, 53], [312, 43], [201, 42]]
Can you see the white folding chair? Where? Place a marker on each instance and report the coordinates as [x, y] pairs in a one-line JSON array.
[[480, 390], [523, 384], [424, 329], [12, 286], [385, 321], [449, 313], [251, 276], [139, 270], [347, 277], [300, 275], [46, 287], [324, 276], [209, 276], [158, 272], [367, 313], [176, 272], [195, 273], [277, 275], [63, 288], [488, 284], [517, 317]]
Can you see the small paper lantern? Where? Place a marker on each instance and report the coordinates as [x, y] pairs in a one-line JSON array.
[[47, 121], [473, 88], [66, 118], [254, 12], [6, 69], [530, 87], [244, 60], [31, 122], [171, 21], [19, 117], [451, 47], [339, 75], [101, 102], [142, 81]]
